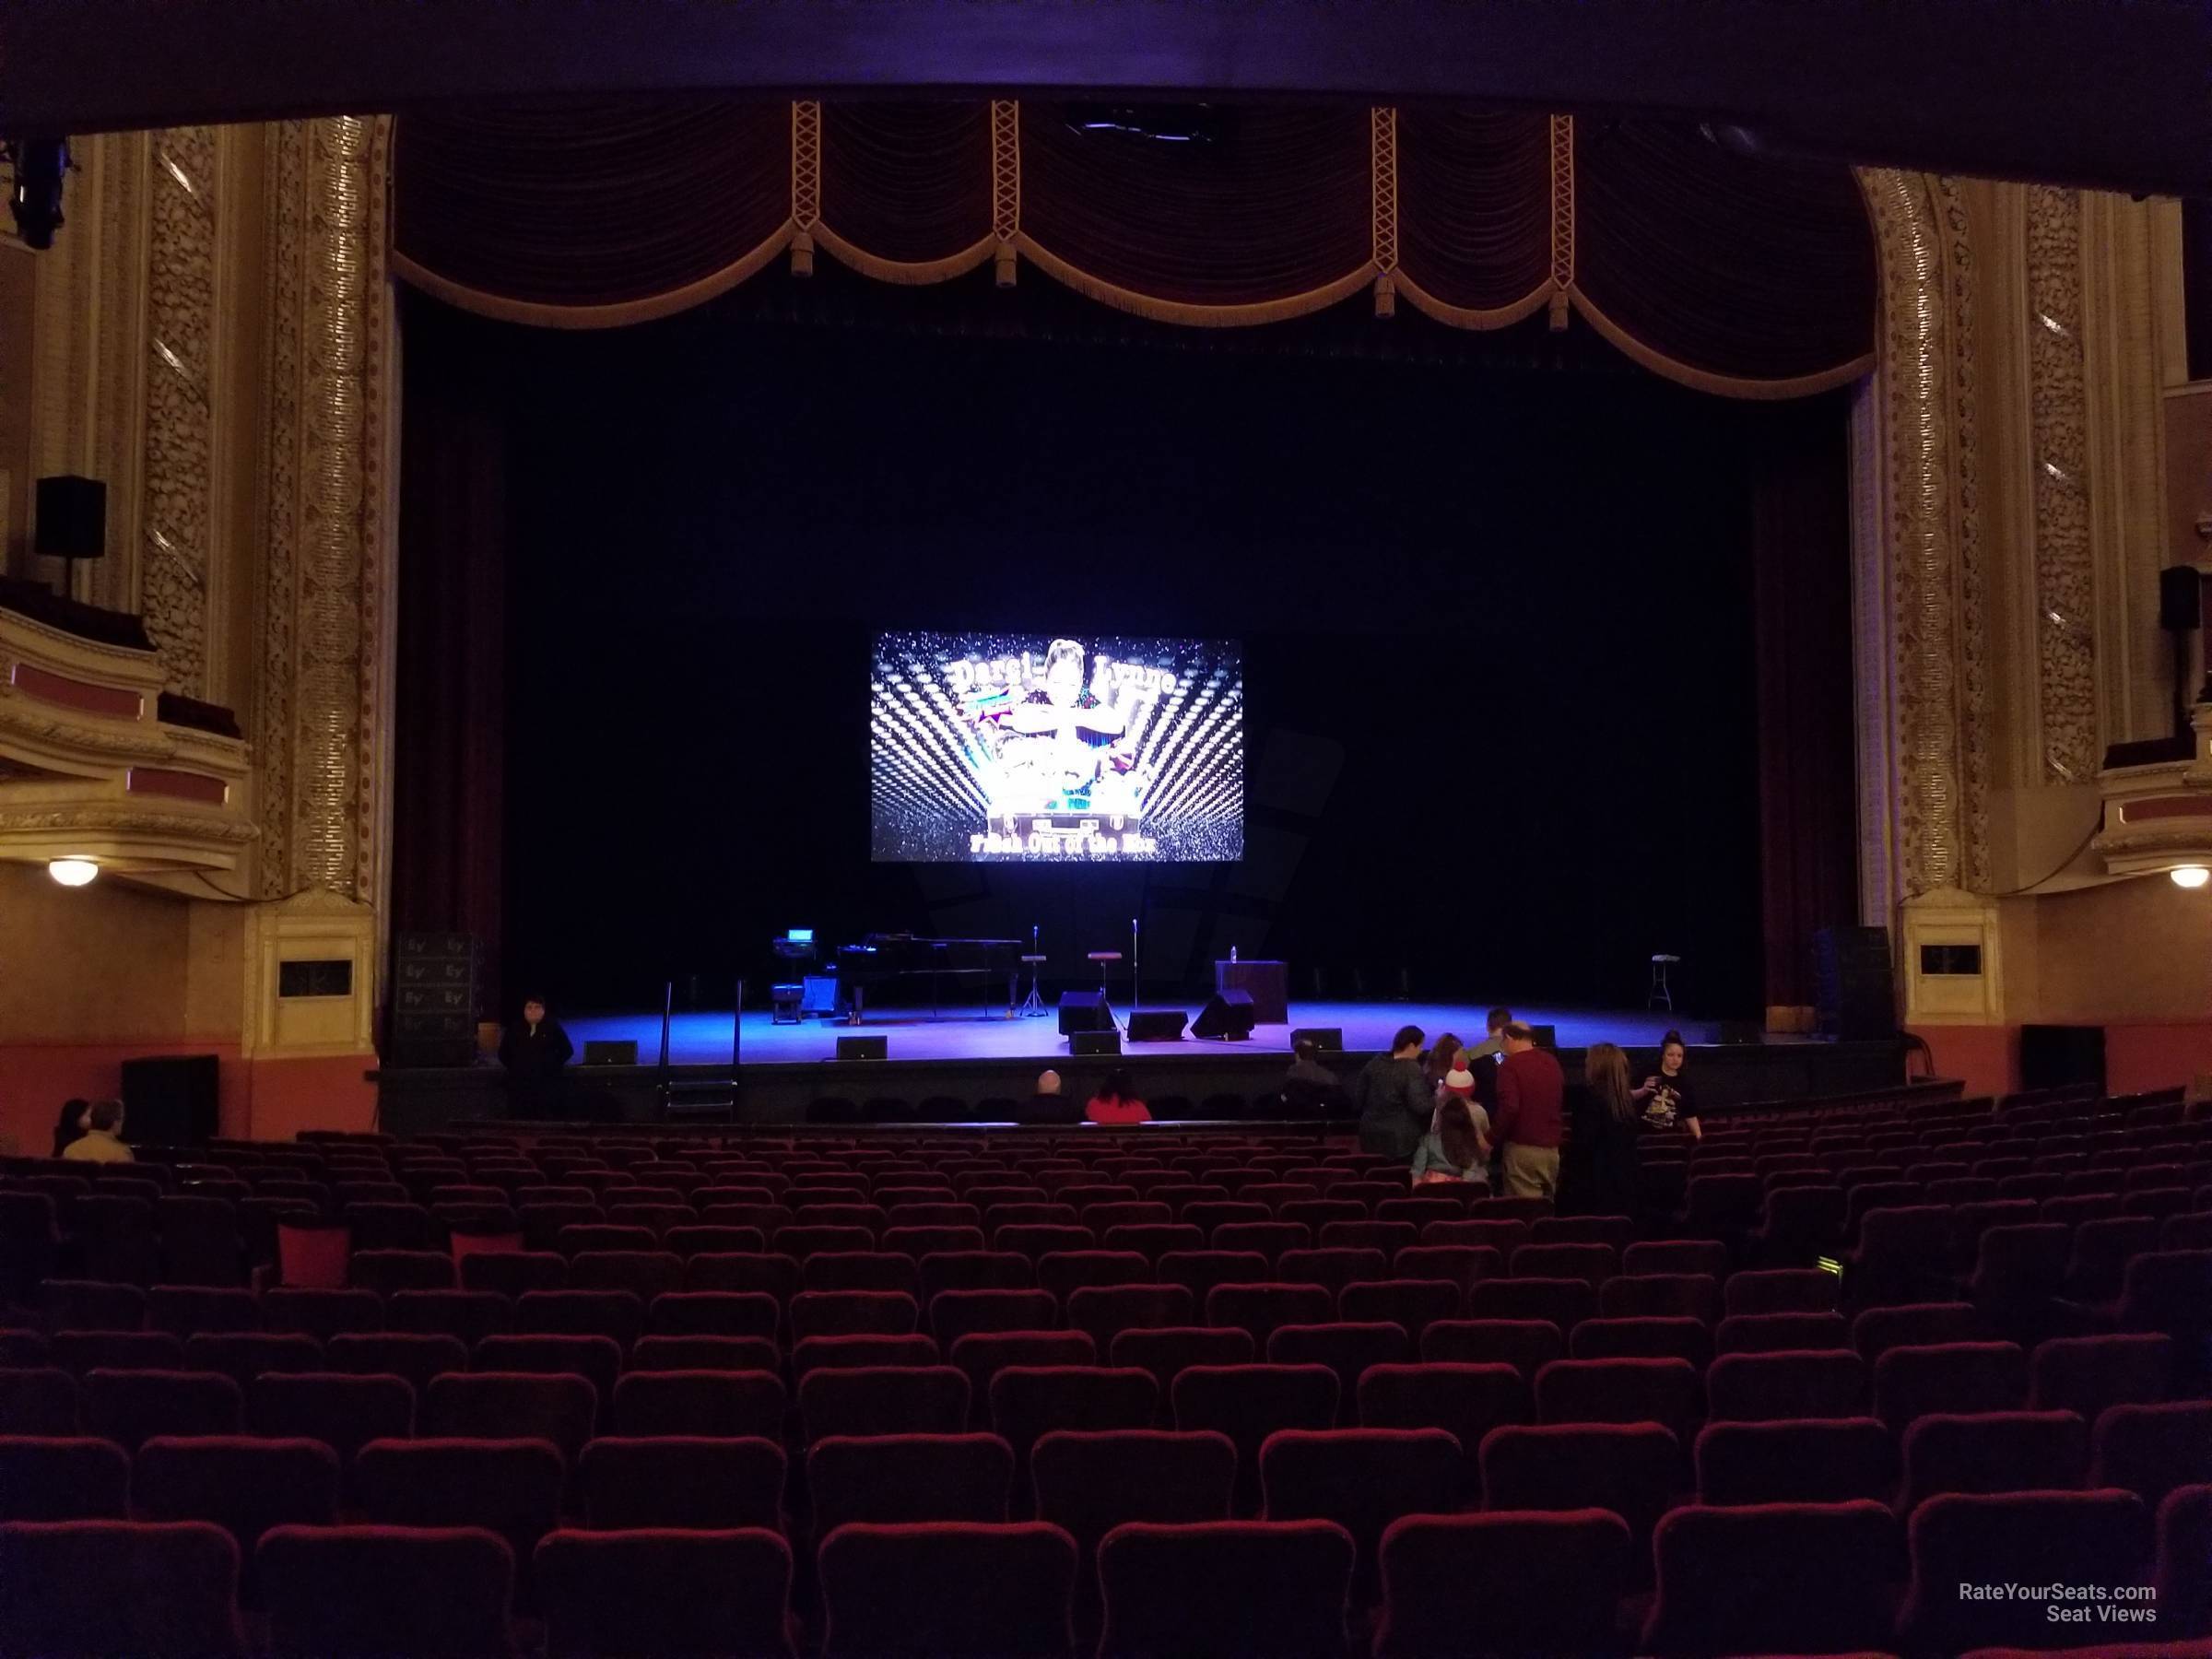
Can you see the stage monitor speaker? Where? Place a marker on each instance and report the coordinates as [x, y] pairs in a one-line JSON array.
[[1328, 1038], [1853, 989], [436, 995], [1156, 1025], [170, 1100], [1228, 1014], [2057, 1056], [1545, 1036], [1108, 1042], [1741, 1032], [1084, 1011], [864, 1048], [73, 518], [610, 1051]]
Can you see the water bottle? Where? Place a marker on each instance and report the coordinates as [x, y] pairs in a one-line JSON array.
[[1232, 955]]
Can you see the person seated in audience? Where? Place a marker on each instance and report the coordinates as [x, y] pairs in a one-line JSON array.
[[1665, 1097], [1117, 1102], [1397, 1101], [1048, 1106], [70, 1125], [1311, 1088], [1458, 1149], [535, 1051], [102, 1139], [1531, 1092], [1599, 1176]]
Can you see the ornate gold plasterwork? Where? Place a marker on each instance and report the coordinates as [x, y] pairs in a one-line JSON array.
[[205, 826], [324, 643], [1931, 630], [179, 418], [2058, 421]]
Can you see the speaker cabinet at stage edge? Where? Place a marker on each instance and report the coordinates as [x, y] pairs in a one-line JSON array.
[[1329, 1040], [171, 1099], [864, 1048], [1108, 1042], [437, 998], [1853, 986], [2061, 1056], [1227, 1014], [610, 1051], [1156, 1025], [1084, 1011]]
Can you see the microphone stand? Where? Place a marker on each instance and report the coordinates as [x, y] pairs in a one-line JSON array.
[[1137, 970]]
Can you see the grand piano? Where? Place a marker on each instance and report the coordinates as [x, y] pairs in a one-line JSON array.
[[887, 959]]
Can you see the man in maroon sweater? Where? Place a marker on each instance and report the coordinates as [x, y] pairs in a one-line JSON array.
[[1531, 1087]]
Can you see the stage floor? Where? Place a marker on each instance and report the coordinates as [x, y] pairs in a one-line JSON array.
[[914, 1036]]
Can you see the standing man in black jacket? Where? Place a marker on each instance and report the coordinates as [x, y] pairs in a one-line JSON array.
[[1396, 1102], [535, 1050]]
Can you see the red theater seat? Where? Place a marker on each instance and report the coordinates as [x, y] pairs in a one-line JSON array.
[[1780, 1290], [321, 1313], [1506, 1582], [681, 1480], [2087, 1373], [711, 1403], [1661, 1296], [665, 1592], [129, 1407], [511, 1487], [1103, 1312], [1780, 1333], [853, 1313], [2071, 1538], [37, 1400], [1027, 1401], [957, 1313], [1994, 1451], [1773, 1578], [1527, 1344], [1628, 1468], [976, 1269], [1361, 1478], [1688, 1340], [2184, 1525], [1248, 1403], [773, 1275], [80, 1351], [1214, 1589], [343, 1412], [557, 1409], [63, 1477], [384, 1271], [399, 1354], [2150, 1450], [901, 1478], [1088, 1482], [186, 1311], [151, 1589], [1951, 1377], [1814, 1460], [883, 1400], [910, 1592], [1666, 1392], [1564, 1302], [1761, 1388], [1260, 1309], [90, 1305], [511, 1272], [1915, 1325], [331, 1591]]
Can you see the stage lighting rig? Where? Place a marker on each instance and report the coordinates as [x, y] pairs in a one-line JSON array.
[[34, 197]]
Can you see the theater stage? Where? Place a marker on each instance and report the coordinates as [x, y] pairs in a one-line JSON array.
[[973, 1056]]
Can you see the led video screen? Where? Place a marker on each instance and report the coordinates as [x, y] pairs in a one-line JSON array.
[[1002, 747]]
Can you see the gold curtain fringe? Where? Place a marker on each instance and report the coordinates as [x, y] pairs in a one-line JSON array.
[[1184, 310], [915, 272], [543, 314], [1474, 317], [1702, 379]]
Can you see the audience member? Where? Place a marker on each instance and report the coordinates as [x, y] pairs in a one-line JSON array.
[[1117, 1102], [1396, 1102], [102, 1139], [1306, 1066], [1438, 1059], [1311, 1088], [1048, 1106], [1530, 1089], [1603, 1116], [1665, 1097], [535, 1050], [1482, 1057], [70, 1126], [1458, 1149]]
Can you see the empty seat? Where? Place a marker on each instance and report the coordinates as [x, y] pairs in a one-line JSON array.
[[614, 1314], [908, 1477], [1628, 1468], [509, 1487], [1916, 1325], [415, 1357], [681, 1480], [2087, 1373], [2097, 1265], [1361, 1478], [1259, 1308], [1198, 1271], [186, 1311], [1332, 1267], [1685, 1339], [1661, 1296], [1780, 1290], [1459, 1266], [2184, 1536], [911, 1590], [957, 1313], [1465, 1401], [975, 1269], [1561, 1301], [1412, 1304], [1026, 1401], [470, 1315], [1676, 1255], [1774, 1578], [1774, 1333], [384, 1271], [645, 1273], [329, 1591], [1527, 1344], [511, 1272], [2069, 1538], [699, 1403], [1168, 1350], [883, 1400], [63, 1477], [1102, 1311], [1268, 1239], [1223, 1589], [243, 1485], [1090, 1481], [343, 1412], [37, 1400], [129, 1407], [2150, 1450], [1248, 1403], [89, 1305], [597, 1359], [1831, 1460], [118, 1587], [1951, 1377], [663, 1592], [1763, 1388], [853, 1313], [557, 1409], [321, 1312], [78, 1352], [1994, 1451], [1507, 1582], [1593, 1263]]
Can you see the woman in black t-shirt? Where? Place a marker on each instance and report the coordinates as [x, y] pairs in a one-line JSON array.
[[1665, 1097]]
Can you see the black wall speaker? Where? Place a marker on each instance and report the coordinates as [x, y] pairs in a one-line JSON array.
[[1328, 1038], [437, 993], [1156, 1025], [1083, 1011], [1853, 989], [73, 518], [864, 1048], [1108, 1042], [1544, 1036], [2180, 601], [2055, 1056], [171, 1100], [1228, 1013]]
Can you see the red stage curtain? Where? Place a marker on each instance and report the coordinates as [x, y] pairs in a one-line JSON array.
[[1753, 276], [1807, 746], [1474, 214], [590, 212], [906, 188], [450, 722], [1275, 219]]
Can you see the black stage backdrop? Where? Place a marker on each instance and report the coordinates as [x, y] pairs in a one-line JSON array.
[[1495, 595]]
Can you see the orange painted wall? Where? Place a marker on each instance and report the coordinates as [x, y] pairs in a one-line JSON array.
[[2137, 1057]]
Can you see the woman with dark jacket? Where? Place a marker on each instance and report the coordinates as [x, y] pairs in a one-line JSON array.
[[71, 1125], [1603, 1122]]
